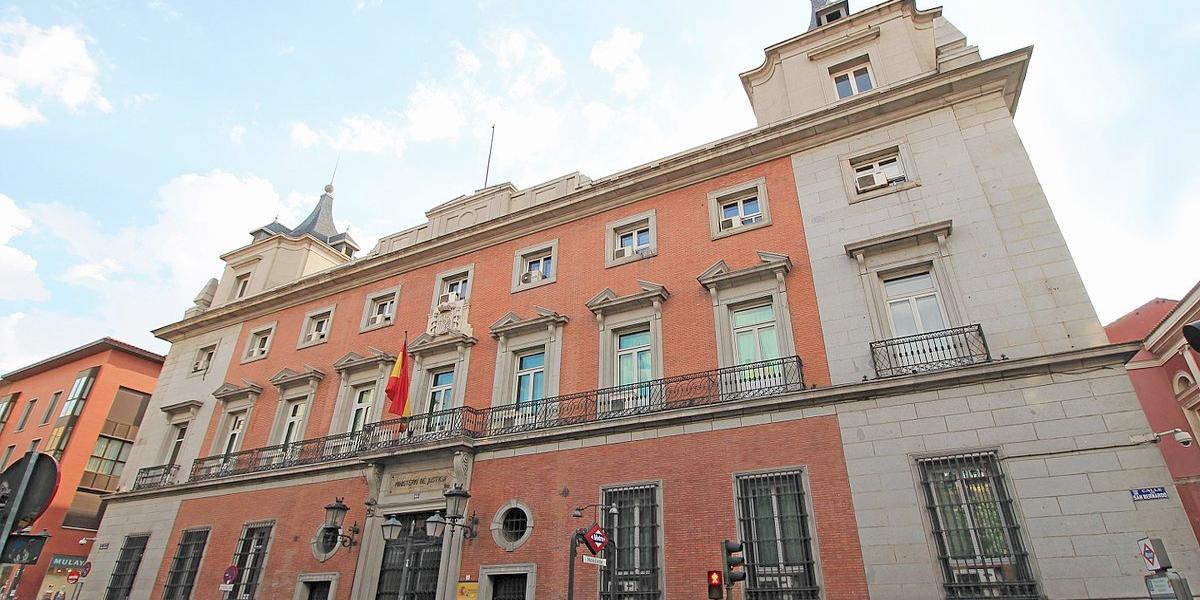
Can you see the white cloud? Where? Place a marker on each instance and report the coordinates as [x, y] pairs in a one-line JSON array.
[[364, 4], [39, 64], [287, 50], [465, 61], [619, 55], [237, 133], [364, 133], [303, 136], [91, 273], [18, 270], [434, 113], [136, 101]]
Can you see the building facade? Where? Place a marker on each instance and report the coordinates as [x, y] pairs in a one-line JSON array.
[[852, 338], [83, 407], [1164, 374]]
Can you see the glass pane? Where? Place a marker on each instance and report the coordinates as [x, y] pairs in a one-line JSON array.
[[768, 343], [643, 237], [538, 385], [903, 322], [530, 361], [547, 266], [750, 206], [753, 316], [747, 347], [443, 378], [862, 80], [523, 391], [625, 369], [729, 211], [626, 240], [904, 286], [843, 86], [931, 313], [643, 365], [633, 340]]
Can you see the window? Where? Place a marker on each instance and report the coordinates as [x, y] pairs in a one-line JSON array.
[[25, 414], [773, 523], [8, 452], [50, 408], [6, 408], [79, 392], [380, 309], [828, 17], [878, 171], [361, 411], [177, 443], [204, 357], [293, 427], [441, 397], [422, 563], [854, 80], [126, 568], [249, 559], [530, 381], [535, 266], [109, 456], [1181, 384], [633, 357], [913, 305], [514, 524], [259, 343], [754, 334], [316, 328], [978, 542], [511, 525], [635, 530], [182, 575], [454, 288], [629, 239], [233, 437], [739, 208], [241, 285]]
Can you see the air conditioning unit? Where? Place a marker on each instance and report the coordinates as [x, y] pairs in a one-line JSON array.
[[197, 367], [448, 298], [316, 336], [643, 251], [621, 252], [377, 319], [532, 277], [731, 223], [870, 180]]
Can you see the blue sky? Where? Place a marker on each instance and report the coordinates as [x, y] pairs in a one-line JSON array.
[[139, 140]]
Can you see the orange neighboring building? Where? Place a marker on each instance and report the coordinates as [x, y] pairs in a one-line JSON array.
[[1164, 373], [83, 407]]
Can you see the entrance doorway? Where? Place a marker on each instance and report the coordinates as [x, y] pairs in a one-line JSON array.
[[509, 586]]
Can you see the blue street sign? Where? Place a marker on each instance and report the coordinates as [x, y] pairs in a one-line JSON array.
[[1150, 493]]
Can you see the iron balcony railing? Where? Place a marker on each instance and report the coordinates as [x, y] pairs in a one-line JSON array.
[[933, 351], [156, 476], [755, 380]]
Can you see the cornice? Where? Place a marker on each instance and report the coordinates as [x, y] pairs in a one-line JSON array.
[[511, 324], [608, 302], [999, 74]]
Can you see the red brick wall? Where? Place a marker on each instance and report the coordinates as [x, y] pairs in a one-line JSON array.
[[297, 511], [696, 475], [684, 251]]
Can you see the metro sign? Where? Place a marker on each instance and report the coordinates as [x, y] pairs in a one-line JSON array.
[[595, 538]]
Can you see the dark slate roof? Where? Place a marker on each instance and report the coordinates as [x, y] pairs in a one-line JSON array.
[[319, 224]]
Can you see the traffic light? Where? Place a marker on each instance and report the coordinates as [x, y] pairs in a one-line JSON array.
[[735, 563], [714, 586]]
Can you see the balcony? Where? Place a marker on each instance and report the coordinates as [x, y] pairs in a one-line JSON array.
[[155, 477], [755, 380], [933, 351]]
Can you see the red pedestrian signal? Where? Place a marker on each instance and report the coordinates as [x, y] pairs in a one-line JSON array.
[[715, 580]]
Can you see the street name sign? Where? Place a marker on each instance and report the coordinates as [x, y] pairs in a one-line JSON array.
[[1150, 493], [595, 560]]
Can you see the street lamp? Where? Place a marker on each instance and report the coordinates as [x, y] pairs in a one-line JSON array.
[[456, 507], [578, 512], [335, 514], [392, 528]]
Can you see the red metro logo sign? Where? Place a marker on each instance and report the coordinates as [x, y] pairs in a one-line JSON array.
[[595, 538]]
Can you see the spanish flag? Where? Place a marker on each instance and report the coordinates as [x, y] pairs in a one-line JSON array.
[[397, 385]]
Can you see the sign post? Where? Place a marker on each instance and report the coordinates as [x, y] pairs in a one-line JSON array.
[[1162, 583], [227, 580]]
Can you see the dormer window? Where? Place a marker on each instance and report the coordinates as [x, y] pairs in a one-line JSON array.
[[853, 80], [241, 285], [204, 357], [828, 17]]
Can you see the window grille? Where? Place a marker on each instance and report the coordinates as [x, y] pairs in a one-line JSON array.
[[423, 567], [978, 542], [515, 523], [184, 566], [126, 568], [773, 523], [634, 531], [250, 556], [509, 587]]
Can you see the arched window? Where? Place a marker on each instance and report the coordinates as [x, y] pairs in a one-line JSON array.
[[1183, 382]]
